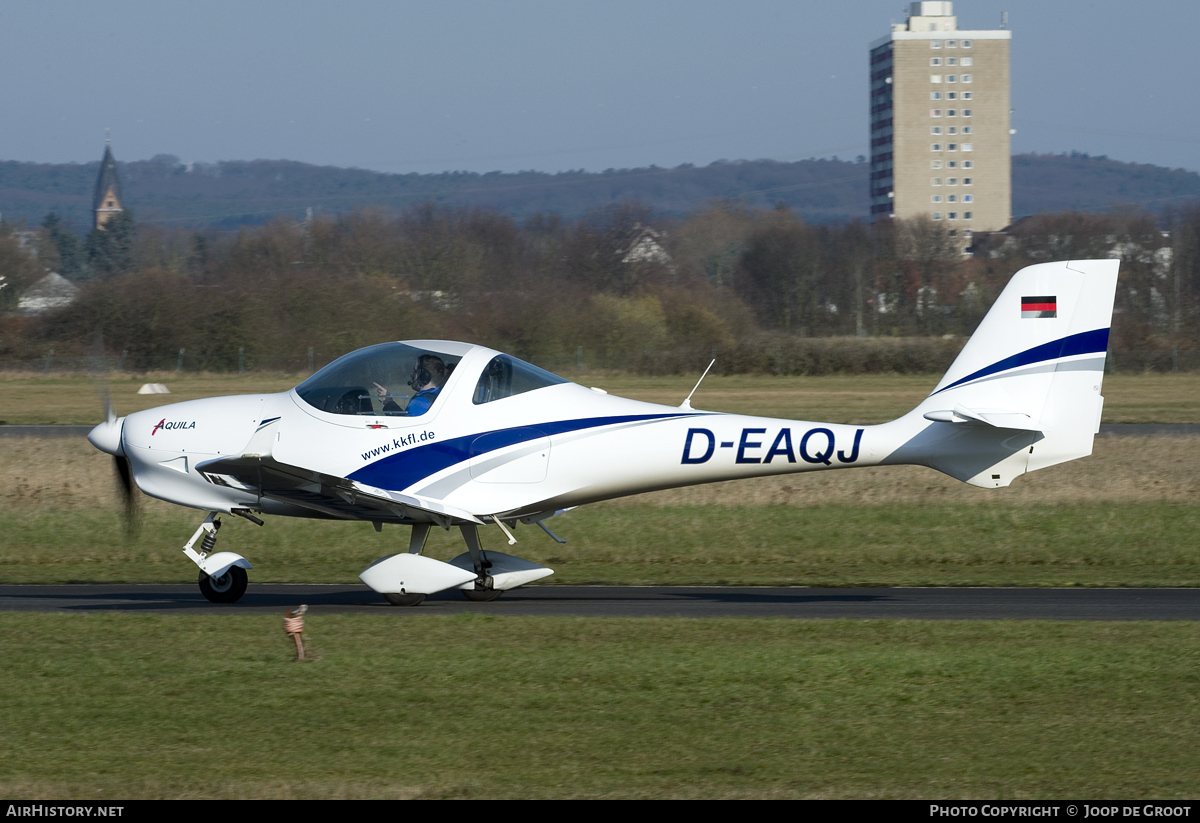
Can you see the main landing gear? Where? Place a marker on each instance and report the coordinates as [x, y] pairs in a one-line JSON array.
[[406, 579], [484, 590], [482, 595]]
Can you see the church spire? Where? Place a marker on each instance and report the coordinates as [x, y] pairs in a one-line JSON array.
[[106, 202]]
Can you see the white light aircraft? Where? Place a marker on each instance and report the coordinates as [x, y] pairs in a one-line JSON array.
[[487, 440]]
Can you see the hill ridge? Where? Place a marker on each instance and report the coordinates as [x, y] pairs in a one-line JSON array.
[[228, 194]]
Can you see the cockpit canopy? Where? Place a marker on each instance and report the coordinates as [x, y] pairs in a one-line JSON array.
[[379, 380], [506, 376], [397, 379]]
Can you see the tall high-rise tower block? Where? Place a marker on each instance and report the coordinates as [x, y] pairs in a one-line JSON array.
[[940, 111]]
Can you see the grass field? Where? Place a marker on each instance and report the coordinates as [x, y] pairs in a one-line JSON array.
[[121, 706], [414, 705], [1148, 398]]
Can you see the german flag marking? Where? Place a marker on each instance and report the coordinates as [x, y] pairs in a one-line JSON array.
[[1045, 306]]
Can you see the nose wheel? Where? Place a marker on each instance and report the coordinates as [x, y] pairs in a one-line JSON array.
[[228, 588]]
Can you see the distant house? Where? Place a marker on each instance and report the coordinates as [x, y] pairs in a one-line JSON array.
[[51, 292], [27, 242], [645, 248]]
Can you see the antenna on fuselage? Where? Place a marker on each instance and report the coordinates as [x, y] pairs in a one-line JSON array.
[[687, 404]]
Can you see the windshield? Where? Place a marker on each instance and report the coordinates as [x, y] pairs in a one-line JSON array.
[[392, 379]]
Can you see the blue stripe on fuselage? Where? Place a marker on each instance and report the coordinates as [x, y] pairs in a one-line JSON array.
[[1088, 342], [399, 471]]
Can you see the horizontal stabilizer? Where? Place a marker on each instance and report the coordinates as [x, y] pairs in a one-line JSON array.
[[996, 418]]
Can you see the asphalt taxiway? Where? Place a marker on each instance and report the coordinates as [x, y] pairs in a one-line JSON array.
[[637, 601]]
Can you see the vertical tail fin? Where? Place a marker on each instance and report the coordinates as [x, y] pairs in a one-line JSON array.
[[1024, 393]]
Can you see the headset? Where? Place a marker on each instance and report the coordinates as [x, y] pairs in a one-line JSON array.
[[422, 376]]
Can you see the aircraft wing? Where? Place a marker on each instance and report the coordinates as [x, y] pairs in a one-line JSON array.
[[327, 494]]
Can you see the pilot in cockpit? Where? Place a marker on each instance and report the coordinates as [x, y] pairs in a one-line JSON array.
[[428, 376]]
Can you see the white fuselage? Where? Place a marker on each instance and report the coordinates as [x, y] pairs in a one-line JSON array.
[[556, 447]]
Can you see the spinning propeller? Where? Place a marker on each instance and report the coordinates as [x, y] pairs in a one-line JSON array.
[[107, 438]]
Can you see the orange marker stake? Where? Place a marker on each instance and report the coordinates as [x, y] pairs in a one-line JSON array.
[[293, 624]]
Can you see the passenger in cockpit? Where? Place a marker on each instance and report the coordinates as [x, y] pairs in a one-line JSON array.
[[428, 377]]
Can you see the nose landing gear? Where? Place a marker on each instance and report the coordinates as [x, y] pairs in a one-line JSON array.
[[223, 576]]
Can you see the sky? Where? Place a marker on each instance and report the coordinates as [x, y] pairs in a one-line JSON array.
[[510, 85]]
